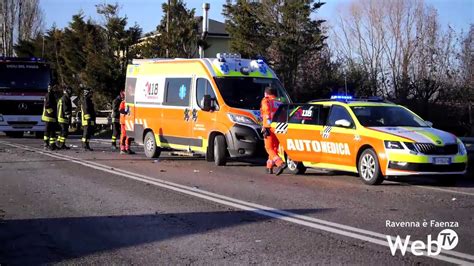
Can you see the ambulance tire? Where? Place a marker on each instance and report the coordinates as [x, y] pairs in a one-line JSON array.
[[369, 168], [220, 150], [296, 168], [149, 146]]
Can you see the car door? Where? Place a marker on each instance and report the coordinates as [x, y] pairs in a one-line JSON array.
[[202, 121], [300, 134], [337, 140]]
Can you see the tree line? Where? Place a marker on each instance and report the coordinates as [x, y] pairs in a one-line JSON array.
[[395, 49]]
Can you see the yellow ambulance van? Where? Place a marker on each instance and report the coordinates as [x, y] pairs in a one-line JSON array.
[[207, 106]]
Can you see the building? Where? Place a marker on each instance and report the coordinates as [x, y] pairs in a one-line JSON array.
[[218, 39]]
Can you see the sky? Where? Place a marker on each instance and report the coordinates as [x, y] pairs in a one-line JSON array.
[[147, 13]]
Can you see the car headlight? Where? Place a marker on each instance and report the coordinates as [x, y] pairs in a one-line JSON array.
[[396, 145], [241, 119], [462, 149]]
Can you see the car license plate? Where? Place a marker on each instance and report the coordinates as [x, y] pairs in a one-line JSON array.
[[442, 160]]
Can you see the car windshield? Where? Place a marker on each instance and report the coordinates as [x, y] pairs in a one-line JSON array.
[[24, 76], [387, 116], [247, 92]]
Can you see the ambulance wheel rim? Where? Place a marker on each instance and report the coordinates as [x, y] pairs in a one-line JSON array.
[[292, 165], [149, 144], [368, 167]]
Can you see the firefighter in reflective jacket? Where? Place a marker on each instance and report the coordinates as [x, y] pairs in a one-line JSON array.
[[124, 139], [49, 117], [64, 117], [268, 108], [88, 118], [116, 119]]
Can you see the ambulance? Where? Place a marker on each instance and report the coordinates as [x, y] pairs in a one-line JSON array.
[[207, 106], [371, 137]]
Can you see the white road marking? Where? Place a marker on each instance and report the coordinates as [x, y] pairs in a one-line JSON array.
[[387, 181], [315, 223], [446, 190]]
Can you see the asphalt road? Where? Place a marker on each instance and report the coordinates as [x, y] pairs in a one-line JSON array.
[[102, 207]]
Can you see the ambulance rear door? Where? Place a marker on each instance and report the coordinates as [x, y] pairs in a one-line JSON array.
[[130, 85]]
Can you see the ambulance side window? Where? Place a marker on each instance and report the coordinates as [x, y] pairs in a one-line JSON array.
[[203, 87], [130, 84], [337, 113], [177, 91]]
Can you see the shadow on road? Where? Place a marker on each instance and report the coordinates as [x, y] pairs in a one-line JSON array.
[[50, 240]]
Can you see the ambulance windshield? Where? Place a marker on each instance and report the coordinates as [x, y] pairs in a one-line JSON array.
[[387, 116], [247, 92]]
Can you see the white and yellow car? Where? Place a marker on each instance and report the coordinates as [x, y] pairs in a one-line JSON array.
[[375, 139]]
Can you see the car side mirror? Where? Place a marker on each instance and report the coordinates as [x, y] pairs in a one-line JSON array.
[[343, 123], [429, 123], [207, 104]]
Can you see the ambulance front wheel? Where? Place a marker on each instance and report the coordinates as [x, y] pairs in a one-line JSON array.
[[369, 168], [220, 150], [296, 168], [149, 145]]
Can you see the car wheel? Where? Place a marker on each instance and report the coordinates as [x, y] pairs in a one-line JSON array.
[[220, 150], [149, 146], [369, 168], [296, 168]]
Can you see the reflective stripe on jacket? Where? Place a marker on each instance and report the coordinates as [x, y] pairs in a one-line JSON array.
[[87, 112], [49, 108], [64, 110], [115, 109]]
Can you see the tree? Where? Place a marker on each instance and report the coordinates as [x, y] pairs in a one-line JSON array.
[[21, 20], [467, 77], [246, 29], [282, 31], [31, 23], [181, 38]]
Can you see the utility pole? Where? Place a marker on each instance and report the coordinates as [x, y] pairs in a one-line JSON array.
[[168, 26]]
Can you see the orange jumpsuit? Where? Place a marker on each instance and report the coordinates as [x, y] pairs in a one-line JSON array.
[[268, 108], [124, 139]]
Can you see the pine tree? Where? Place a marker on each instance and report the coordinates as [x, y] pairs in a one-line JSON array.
[[182, 38], [282, 31]]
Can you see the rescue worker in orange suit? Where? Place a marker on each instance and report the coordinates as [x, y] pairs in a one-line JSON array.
[[64, 117], [124, 139], [88, 118], [49, 117], [268, 108], [116, 119]]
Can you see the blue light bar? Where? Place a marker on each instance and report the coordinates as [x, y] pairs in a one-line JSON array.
[[341, 97]]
